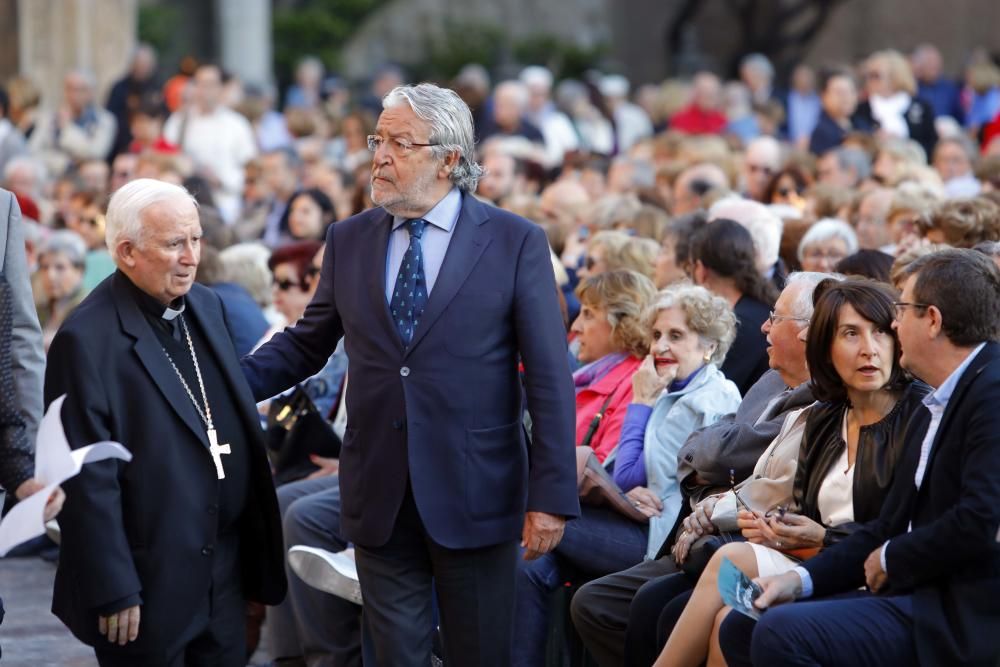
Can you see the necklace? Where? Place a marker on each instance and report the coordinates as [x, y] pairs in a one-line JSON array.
[[215, 448]]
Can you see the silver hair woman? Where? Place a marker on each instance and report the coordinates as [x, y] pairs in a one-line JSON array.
[[451, 127], [826, 243]]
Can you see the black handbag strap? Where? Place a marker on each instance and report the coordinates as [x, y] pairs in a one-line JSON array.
[[596, 421]]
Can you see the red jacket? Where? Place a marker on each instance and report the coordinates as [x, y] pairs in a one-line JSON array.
[[692, 120], [616, 383]]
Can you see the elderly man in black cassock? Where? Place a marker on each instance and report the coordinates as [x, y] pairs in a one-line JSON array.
[[160, 555]]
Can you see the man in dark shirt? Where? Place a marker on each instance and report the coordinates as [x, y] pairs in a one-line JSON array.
[[160, 555]]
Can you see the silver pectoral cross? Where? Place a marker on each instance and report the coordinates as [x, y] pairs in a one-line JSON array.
[[217, 451]]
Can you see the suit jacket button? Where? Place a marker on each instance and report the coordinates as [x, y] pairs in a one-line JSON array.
[[405, 371], [212, 509], [207, 551], [397, 424]]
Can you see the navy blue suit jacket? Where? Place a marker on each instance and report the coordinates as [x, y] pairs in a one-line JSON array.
[[443, 415], [950, 561]]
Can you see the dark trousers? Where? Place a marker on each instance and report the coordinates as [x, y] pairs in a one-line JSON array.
[[854, 629], [652, 616], [475, 593], [600, 609], [599, 542], [216, 635], [323, 629]]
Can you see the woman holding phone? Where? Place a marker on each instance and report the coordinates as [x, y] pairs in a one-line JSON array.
[[851, 442]]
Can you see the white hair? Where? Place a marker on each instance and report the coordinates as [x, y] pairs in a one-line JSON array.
[[764, 226], [450, 123], [536, 76], [246, 265], [35, 166], [802, 306], [67, 243], [827, 229], [123, 221]]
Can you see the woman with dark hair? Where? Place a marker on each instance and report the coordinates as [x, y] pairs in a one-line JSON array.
[[789, 186], [723, 260], [307, 216], [873, 264], [852, 440]]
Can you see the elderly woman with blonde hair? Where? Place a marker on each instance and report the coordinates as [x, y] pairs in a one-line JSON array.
[[676, 390]]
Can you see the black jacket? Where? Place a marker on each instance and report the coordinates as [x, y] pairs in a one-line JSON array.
[[879, 448], [146, 529], [950, 560]]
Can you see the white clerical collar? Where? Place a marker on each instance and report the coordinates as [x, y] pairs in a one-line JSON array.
[[170, 313]]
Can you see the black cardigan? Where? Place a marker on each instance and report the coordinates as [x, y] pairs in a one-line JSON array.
[[880, 446]]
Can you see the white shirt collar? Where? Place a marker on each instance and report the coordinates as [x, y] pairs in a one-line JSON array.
[[443, 215]]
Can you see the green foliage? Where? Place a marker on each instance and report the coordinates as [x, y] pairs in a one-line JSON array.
[[566, 59], [317, 28], [159, 24], [460, 44]]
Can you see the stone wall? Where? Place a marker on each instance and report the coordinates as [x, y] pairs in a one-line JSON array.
[[55, 36], [400, 31]]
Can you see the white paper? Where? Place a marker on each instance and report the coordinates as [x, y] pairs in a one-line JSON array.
[[55, 462]]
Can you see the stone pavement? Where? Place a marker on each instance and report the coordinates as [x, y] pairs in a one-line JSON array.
[[30, 636]]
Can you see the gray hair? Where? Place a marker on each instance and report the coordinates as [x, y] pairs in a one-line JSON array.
[[246, 265], [708, 315], [37, 168], [827, 229], [759, 62], [851, 157], [451, 127], [763, 224], [68, 243], [802, 306], [123, 220]]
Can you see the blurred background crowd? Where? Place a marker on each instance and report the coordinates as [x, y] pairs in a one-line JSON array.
[[850, 166]]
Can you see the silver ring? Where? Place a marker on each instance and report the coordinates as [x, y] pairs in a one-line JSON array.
[[778, 543]]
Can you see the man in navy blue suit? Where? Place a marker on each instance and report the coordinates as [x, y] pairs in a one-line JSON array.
[[439, 299], [932, 557]]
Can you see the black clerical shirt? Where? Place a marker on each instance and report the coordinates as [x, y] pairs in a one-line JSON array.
[[225, 416]]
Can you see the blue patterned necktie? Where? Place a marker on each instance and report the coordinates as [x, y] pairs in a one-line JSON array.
[[409, 297]]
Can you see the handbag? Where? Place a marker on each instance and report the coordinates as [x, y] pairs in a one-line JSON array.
[[296, 430], [598, 489]]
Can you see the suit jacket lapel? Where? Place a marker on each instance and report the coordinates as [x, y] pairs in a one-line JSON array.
[[986, 355], [466, 247], [154, 359], [376, 259]]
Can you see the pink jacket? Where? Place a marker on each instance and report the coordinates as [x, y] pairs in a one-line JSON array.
[[616, 383]]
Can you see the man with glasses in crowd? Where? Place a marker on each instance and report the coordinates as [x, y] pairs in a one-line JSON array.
[[931, 561], [439, 298]]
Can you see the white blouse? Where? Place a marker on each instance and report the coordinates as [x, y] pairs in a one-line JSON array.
[[836, 494]]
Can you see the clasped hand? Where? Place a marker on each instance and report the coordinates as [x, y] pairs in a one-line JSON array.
[[781, 531]]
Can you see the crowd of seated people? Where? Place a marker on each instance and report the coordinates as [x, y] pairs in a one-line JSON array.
[[771, 297]]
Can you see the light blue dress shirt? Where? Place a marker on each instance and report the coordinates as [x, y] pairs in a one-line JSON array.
[[434, 242]]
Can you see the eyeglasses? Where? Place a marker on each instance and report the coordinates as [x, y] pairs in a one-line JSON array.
[[819, 253], [901, 306], [398, 147], [772, 318]]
